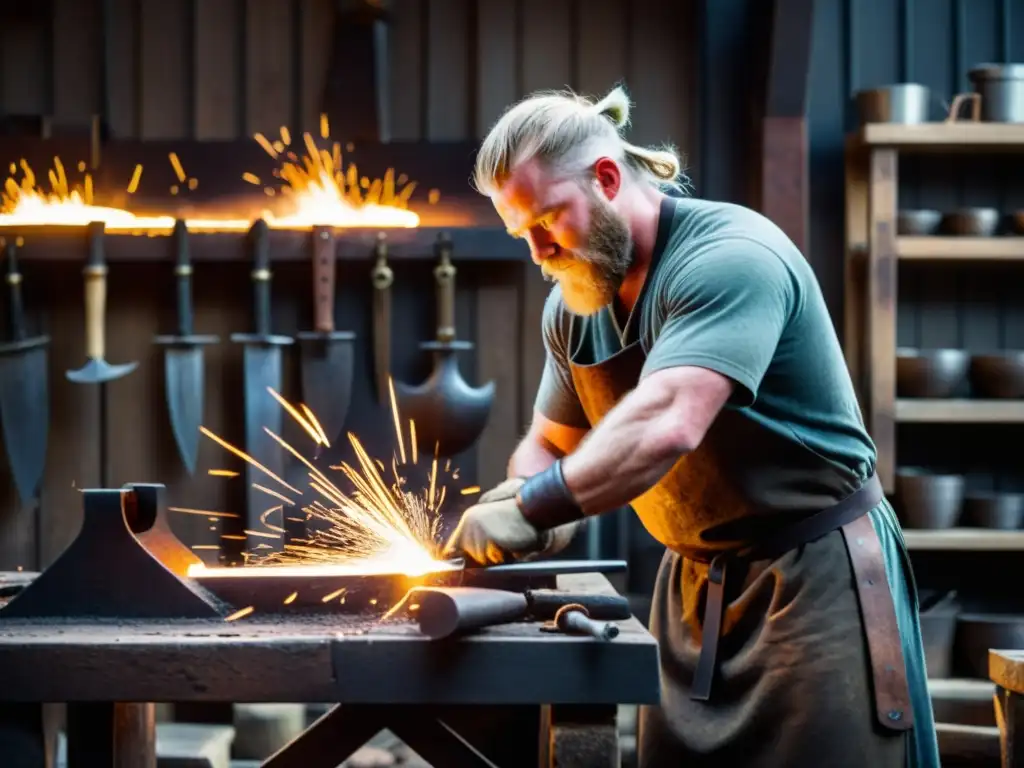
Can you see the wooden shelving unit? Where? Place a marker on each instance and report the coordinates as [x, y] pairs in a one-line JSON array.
[[873, 251], [965, 540]]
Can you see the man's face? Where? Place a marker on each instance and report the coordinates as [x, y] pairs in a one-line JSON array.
[[575, 233]]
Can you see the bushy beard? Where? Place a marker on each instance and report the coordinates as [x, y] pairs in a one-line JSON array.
[[591, 277]]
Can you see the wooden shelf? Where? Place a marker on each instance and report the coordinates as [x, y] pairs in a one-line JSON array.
[[964, 540], [953, 248], [929, 137], [959, 411]]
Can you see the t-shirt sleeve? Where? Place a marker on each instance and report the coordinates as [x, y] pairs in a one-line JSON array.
[[556, 397], [725, 309]]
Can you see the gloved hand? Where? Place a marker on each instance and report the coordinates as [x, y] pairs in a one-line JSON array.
[[490, 531], [494, 528]]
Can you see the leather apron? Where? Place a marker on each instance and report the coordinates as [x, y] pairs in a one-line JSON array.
[[780, 651]]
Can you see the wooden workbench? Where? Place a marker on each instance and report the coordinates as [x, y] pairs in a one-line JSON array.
[[486, 687], [1006, 669]]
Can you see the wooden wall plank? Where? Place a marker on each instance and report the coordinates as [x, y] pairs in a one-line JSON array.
[[23, 68], [448, 94], [498, 342], [496, 65], [76, 62], [498, 298], [603, 46], [268, 72], [219, 78], [72, 461], [122, 72], [408, 80], [545, 62], [546, 55], [659, 76], [317, 20], [162, 46]]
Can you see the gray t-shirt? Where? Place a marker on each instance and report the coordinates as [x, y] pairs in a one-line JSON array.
[[733, 294]]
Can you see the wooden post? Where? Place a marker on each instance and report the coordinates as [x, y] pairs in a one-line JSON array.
[[881, 311], [784, 175], [854, 283]]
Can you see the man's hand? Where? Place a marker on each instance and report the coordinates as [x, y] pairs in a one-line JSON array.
[[491, 530]]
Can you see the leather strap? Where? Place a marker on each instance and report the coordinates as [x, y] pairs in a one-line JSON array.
[[382, 277], [885, 648], [804, 531]]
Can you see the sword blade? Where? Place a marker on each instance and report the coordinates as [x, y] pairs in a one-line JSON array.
[[262, 369], [183, 375], [327, 382], [25, 416]]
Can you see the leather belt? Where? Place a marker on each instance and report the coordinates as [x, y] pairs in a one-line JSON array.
[[892, 695]]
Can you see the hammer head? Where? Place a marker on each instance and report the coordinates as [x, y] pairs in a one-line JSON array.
[[97, 371]]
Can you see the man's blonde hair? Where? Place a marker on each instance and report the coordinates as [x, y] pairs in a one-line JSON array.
[[570, 132]]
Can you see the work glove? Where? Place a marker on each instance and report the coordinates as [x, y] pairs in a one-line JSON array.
[[491, 531], [494, 529]]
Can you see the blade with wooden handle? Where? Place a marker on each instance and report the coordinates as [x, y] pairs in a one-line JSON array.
[[327, 354]]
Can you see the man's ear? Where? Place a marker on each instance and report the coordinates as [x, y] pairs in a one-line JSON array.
[[608, 176]]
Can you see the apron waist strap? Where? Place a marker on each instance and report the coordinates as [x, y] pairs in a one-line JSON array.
[[820, 524]]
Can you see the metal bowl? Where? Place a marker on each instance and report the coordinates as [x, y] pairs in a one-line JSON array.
[[997, 511], [971, 222], [918, 222], [930, 372], [998, 376], [977, 634], [929, 501]]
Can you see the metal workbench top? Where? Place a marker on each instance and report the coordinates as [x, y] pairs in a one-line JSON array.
[[324, 659]]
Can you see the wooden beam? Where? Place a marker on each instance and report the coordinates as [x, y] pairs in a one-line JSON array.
[[784, 171]]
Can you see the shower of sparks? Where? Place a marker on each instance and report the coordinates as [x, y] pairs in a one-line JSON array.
[[380, 526], [315, 187]]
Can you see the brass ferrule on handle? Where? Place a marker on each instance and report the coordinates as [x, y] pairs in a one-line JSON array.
[[444, 274]]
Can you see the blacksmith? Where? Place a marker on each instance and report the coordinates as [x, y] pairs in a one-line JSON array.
[[693, 373]]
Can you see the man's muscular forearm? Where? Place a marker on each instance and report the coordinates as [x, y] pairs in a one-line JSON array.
[[532, 456], [641, 439]]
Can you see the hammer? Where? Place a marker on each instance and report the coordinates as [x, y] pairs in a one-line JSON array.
[[446, 611]]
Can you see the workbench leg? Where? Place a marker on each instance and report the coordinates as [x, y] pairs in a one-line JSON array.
[[25, 740], [447, 737], [330, 740], [582, 737], [1010, 718], [106, 735]]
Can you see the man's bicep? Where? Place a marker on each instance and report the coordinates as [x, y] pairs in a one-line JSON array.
[[727, 314]]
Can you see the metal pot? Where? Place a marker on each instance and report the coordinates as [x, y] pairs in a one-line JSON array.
[[929, 501], [997, 511], [998, 376], [971, 222], [901, 103], [917, 222], [1001, 88], [932, 373]]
